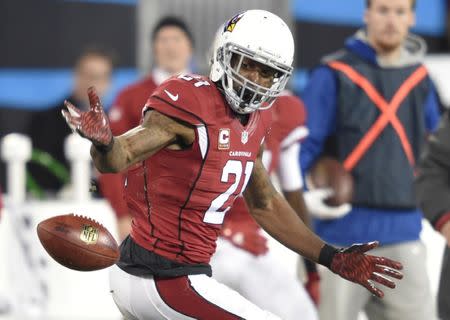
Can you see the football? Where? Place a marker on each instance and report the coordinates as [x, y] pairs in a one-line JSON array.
[[78, 242], [329, 173]]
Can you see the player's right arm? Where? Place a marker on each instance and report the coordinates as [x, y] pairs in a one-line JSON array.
[[155, 133], [114, 154]]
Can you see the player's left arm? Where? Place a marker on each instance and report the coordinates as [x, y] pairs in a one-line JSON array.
[[264, 201], [296, 201], [291, 181], [274, 214]]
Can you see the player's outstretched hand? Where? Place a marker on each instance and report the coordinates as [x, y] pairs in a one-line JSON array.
[[354, 265], [92, 124]]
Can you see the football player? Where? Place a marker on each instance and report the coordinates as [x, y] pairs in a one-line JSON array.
[[196, 150], [242, 260]]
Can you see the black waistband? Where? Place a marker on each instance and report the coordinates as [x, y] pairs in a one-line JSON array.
[[141, 262]]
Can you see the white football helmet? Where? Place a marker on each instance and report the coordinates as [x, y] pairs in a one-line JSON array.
[[261, 36]]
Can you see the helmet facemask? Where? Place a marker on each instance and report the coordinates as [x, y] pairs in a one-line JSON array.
[[243, 95]]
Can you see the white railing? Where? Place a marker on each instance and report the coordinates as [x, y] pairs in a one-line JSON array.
[[16, 152], [77, 151], [27, 273]]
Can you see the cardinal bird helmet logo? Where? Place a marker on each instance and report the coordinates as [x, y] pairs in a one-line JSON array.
[[232, 23]]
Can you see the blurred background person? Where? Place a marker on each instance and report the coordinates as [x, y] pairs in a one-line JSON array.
[[172, 44], [93, 67], [433, 191], [370, 105]]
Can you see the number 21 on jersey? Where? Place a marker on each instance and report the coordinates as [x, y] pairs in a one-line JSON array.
[[215, 213]]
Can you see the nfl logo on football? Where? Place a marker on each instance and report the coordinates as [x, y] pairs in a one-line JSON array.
[[89, 235]]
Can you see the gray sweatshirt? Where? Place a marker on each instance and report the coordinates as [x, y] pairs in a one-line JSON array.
[[433, 176]]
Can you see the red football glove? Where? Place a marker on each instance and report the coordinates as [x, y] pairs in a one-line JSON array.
[[354, 265], [93, 124], [246, 239]]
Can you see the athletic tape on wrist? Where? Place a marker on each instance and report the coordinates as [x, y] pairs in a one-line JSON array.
[[326, 255]]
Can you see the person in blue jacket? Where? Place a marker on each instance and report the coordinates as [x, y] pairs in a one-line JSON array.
[[371, 105]]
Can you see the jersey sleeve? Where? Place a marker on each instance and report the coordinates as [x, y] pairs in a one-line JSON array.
[[288, 170], [292, 120], [177, 98]]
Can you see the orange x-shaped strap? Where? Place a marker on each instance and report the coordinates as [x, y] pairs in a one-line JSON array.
[[388, 112]]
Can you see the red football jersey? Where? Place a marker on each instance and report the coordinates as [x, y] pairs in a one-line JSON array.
[[288, 127], [288, 121], [125, 114], [179, 198]]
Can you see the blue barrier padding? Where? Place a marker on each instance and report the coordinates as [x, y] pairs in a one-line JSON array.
[[431, 14], [37, 89]]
